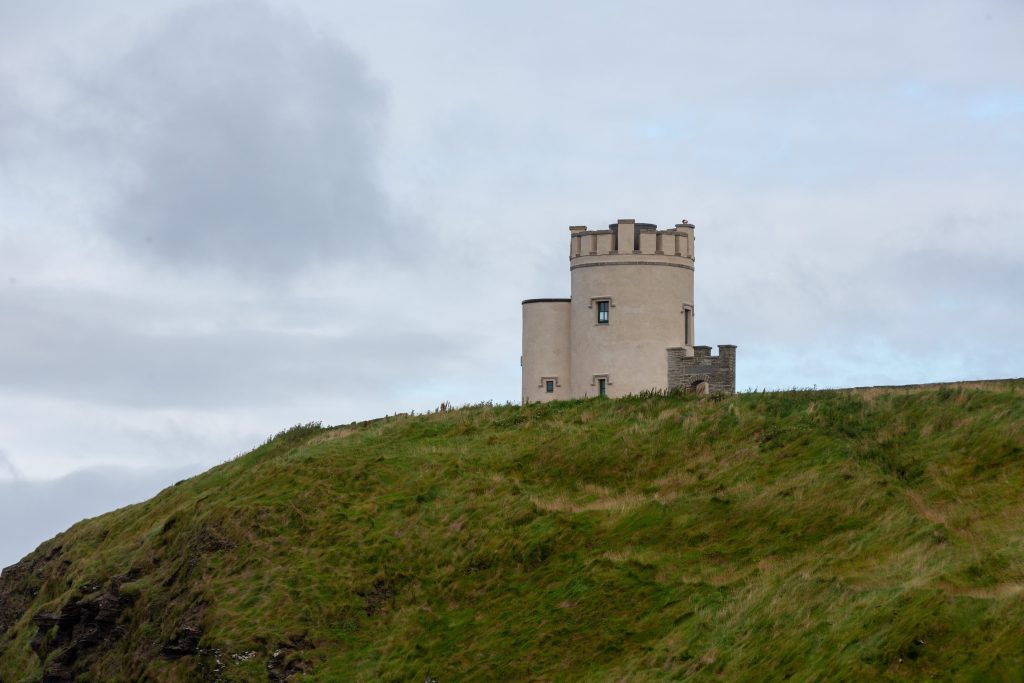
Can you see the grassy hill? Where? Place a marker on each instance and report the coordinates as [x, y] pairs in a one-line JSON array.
[[839, 535]]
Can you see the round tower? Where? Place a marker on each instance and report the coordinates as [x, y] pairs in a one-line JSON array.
[[632, 299]]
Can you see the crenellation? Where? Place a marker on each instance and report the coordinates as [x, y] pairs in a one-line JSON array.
[[685, 238], [648, 242], [624, 236]]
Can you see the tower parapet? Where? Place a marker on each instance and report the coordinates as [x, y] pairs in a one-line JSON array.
[[626, 240]]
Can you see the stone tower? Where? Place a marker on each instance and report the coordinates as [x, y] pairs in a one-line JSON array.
[[628, 324]]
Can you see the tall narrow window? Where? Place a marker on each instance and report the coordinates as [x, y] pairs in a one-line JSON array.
[[687, 327], [602, 386], [602, 312], [549, 386]]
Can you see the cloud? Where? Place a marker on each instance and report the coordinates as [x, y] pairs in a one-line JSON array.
[[45, 508], [210, 355], [7, 468], [231, 136]]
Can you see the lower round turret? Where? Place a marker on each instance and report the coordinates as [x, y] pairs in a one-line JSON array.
[[545, 357]]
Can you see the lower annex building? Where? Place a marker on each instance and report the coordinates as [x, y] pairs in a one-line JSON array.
[[628, 325]]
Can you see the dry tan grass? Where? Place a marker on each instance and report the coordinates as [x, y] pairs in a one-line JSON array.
[[670, 486], [1001, 590], [331, 435], [893, 430], [871, 393], [596, 490], [920, 507], [963, 423], [959, 528], [709, 658], [727, 576], [1007, 589], [632, 555], [564, 503], [618, 556], [670, 414], [605, 501]]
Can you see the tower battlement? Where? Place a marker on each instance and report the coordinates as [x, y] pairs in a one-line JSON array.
[[626, 239], [629, 318]]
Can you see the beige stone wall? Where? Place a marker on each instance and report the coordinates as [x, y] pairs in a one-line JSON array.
[[545, 349], [648, 290]]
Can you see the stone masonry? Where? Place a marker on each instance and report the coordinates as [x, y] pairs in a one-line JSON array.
[[703, 373]]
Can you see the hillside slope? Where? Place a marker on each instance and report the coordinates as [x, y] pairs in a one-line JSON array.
[[845, 535]]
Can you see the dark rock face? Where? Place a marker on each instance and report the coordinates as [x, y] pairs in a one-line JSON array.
[[94, 626], [86, 622], [184, 643], [21, 583], [186, 639], [58, 673], [379, 596], [286, 660]]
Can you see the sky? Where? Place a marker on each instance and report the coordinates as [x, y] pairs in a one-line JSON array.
[[222, 218]]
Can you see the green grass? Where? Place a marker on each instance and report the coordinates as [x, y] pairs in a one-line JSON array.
[[812, 535]]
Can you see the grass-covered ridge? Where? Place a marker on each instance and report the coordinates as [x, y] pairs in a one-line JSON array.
[[840, 535]]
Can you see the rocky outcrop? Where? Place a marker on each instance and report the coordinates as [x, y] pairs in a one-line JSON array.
[[287, 661], [87, 622], [21, 583], [187, 636]]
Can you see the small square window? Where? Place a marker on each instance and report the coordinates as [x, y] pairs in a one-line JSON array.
[[602, 312], [549, 386]]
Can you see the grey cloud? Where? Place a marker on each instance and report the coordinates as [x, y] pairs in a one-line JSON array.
[[45, 508], [237, 138], [98, 348], [7, 468]]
